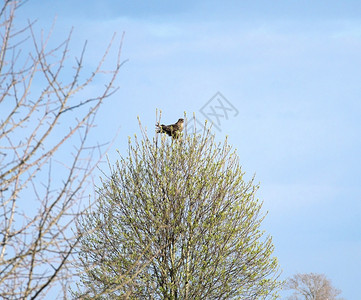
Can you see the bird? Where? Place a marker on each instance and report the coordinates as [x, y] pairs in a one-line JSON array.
[[172, 130]]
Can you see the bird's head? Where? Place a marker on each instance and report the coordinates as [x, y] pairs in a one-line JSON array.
[[180, 123]]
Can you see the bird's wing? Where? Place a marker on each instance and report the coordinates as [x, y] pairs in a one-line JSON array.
[[165, 128]]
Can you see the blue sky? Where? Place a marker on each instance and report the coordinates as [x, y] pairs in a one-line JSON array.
[[292, 70]]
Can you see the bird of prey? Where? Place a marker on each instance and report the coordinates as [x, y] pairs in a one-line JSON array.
[[172, 130]]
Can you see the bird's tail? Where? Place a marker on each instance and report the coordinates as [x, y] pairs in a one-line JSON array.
[[158, 128]]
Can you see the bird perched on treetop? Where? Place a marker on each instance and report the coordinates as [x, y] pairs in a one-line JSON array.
[[172, 130]]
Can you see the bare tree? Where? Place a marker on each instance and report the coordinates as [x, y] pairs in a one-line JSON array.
[[44, 165], [312, 287], [175, 219]]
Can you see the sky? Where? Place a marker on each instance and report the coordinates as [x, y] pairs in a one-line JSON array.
[[281, 79]]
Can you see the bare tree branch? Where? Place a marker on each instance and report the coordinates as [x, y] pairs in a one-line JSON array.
[[312, 286], [41, 193]]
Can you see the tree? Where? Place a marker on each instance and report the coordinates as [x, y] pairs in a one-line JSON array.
[[44, 111], [175, 219], [312, 287]]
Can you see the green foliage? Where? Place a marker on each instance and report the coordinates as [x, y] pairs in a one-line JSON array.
[[176, 220]]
